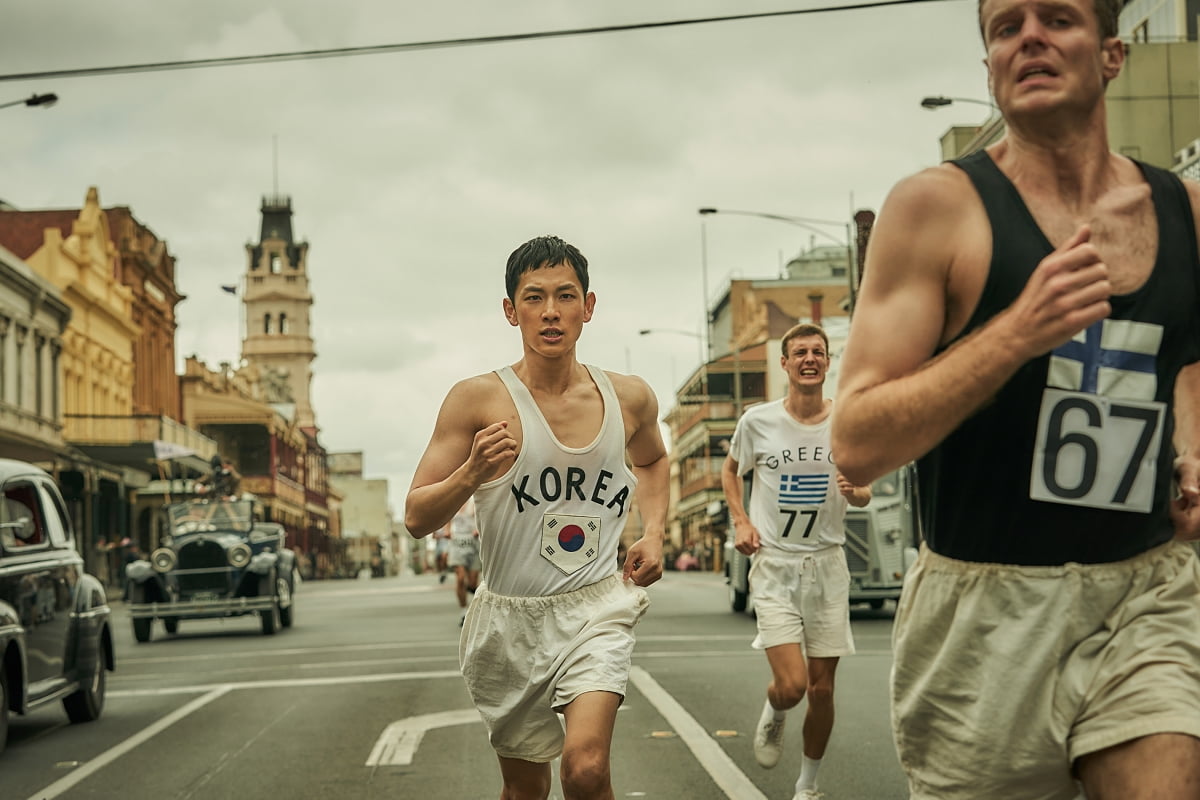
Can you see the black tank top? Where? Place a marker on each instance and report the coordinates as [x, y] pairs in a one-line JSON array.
[[1072, 460]]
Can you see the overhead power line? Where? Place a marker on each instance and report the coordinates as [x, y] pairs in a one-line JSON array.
[[341, 52]]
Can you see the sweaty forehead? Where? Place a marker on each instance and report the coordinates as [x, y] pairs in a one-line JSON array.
[[802, 344], [556, 276], [990, 8]]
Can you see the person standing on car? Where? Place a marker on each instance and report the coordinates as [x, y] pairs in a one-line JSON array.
[[799, 577], [223, 482]]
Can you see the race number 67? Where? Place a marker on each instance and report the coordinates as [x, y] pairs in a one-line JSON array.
[[1096, 452]]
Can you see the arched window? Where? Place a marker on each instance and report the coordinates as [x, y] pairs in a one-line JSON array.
[[267, 324], [283, 323], [276, 264]]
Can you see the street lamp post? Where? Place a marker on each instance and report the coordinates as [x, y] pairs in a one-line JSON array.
[[698, 337], [44, 100], [940, 101], [706, 351], [809, 223]]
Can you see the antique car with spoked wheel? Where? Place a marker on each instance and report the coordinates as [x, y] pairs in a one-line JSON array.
[[55, 640], [219, 561]]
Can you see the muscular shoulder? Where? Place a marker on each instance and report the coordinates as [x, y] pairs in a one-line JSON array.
[[639, 409], [633, 393], [475, 398], [931, 195], [476, 387], [926, 220]]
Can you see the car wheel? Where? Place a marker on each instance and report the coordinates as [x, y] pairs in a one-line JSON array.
[[287, 601], [270, 616], [141, 628], [3, 707], [86, 704], [876, 603], [171, 624]]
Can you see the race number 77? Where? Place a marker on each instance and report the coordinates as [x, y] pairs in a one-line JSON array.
[[791, 513]]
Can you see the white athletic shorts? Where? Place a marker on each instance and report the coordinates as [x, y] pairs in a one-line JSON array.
[[803, 598], [525, 658], [464, 555], [1005, 675]]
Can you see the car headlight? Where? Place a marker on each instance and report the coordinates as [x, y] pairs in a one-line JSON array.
[[163, 559], [239, 555]]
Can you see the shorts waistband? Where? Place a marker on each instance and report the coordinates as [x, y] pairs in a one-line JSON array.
[[940, 563], [796, 556], [574, 597]]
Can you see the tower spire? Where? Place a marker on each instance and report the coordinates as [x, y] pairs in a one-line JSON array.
[[277, 303]]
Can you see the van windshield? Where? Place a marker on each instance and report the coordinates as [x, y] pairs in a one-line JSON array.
[[887, 486]]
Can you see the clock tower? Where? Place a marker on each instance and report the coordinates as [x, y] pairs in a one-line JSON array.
[[277, 303]]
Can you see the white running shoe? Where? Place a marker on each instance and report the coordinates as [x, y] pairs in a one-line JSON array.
[[768, 738], [808, 794]]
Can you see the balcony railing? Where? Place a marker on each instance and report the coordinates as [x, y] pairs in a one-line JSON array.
[[117, 430], [684, 417], [26, 423]]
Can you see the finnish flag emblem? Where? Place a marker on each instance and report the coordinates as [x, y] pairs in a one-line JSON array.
[[1114, 358], [1100, 430]]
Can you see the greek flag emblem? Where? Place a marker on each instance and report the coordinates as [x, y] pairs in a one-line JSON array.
[[803, 490]]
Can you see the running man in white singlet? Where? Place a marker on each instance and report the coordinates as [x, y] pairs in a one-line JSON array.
[[553, 452], [463, 556], [794, 530]]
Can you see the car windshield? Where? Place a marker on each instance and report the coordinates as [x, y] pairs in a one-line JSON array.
[[211, 515]]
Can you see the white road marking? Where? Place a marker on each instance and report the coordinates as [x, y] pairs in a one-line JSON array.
[[113, 753], [289, 683], [708, 753], [399, 741], [746, 654], [258, 655]]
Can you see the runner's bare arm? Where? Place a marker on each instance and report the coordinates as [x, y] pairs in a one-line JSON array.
[[462, 454], [857, 496], [896, 400], [746, 537], [1185, 510], [648, 457]]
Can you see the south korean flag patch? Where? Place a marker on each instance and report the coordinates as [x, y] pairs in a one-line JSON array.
[[569, 542]]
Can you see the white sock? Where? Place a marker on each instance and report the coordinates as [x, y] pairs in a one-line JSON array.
[[779, 714], [808, 774]]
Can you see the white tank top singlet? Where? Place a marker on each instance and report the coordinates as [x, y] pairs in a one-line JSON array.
[[795, 502], [552, 522]]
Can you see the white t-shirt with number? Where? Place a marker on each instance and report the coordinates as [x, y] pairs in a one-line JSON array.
[[794, 498]]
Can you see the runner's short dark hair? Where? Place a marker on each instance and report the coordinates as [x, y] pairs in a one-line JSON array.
[[544, 251]]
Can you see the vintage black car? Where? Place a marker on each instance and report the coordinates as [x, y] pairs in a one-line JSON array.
[[55, 640], [218, 561]]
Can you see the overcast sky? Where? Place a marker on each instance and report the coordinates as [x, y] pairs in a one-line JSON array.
[[413, 175]]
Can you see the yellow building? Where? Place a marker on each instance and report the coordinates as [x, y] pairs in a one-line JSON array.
[[97, 355]]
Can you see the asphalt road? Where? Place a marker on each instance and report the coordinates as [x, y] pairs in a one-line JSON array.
[[362, 699]]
